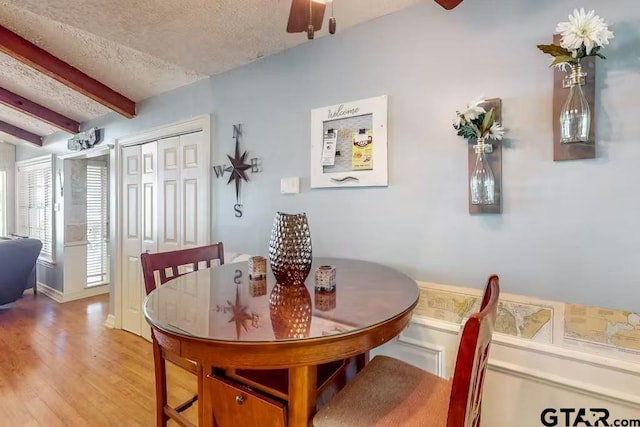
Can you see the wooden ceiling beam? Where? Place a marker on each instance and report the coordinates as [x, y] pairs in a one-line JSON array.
[[30, 54], [37, 111], [21, 133]]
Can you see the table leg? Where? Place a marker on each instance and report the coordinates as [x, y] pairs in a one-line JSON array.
[[302, 395]]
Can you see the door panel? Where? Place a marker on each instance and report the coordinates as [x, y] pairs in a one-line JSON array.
[[169, 195], [131, 240], [170, 224], [148, 217], [194, 177], [190, 212], [133, 292], [148, 181]]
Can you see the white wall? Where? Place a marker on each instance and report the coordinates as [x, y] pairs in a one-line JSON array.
[[8, 164], [568, 231]]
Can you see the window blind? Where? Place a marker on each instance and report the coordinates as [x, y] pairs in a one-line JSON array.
[[34, 203], [97, 224]]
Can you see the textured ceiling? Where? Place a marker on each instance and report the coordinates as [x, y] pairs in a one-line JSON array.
[[145, 47]]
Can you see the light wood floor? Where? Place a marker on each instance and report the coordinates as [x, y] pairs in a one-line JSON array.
[[59, 366]]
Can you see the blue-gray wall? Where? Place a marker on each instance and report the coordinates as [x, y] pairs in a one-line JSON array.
[[568, 231]]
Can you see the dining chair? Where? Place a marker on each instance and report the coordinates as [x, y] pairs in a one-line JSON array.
[[178, 263], [389, 392]]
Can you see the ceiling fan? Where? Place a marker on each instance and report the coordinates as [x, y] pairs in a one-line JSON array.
[[448, 4], [307, 15]]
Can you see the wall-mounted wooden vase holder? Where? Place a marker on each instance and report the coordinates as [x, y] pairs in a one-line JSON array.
[[560, 94], [494, 158]]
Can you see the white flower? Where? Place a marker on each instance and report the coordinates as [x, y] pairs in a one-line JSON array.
[[586, 29], [459, 121], [496, 131], [473, 110]]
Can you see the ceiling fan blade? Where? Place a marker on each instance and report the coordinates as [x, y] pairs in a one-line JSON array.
[[299, 15], [448, 4]]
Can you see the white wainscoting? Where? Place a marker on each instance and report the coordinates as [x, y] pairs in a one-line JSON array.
[[525, 377]]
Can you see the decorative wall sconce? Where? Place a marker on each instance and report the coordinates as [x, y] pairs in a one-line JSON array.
[[479, 123], [574, 93], [575, 46]]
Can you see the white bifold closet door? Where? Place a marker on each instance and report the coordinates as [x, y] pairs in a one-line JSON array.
[[165, 187]]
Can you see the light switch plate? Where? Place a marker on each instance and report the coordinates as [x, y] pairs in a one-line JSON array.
[[290, 185]]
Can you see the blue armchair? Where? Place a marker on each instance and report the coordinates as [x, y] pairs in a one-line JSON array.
[[17, 266]]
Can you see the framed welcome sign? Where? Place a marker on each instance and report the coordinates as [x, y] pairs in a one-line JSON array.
[[349, 144]]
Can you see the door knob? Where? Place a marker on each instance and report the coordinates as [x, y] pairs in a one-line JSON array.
[[239, 399]]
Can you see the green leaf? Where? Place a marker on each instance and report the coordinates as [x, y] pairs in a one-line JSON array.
[[554, 50], [476, 131], [466, 132], [488, 121], [560, 59], [599, 55], [582, 52]]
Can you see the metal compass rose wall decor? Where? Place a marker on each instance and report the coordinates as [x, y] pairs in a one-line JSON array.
[[238, 168]]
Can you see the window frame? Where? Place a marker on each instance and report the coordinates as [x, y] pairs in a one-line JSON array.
[[103, 167], [22, 167]]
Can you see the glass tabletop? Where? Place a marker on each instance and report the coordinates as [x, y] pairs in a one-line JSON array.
[[225, 304]]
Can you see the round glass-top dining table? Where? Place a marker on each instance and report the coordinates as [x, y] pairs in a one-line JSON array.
[[221, 317]]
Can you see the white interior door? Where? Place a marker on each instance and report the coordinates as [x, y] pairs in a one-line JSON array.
[[165, 192], [131, 240], [194, 176], [183, 177], [194, 179]]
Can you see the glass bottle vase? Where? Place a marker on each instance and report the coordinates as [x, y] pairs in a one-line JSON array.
[[482, 181], [575, 116]]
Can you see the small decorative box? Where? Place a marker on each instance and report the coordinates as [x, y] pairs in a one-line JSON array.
[[325, 278], [257, 267]]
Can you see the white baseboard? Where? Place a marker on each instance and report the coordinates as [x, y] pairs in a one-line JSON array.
[[86, 293], [110, 322], [54, 294], [62, 297]]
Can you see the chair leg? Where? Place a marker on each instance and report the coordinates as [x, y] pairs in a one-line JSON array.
[[160, 369], [203, 403], [361, 361]]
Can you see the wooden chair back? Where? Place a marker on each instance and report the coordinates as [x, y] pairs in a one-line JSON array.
[[173, 260], [471, 361]]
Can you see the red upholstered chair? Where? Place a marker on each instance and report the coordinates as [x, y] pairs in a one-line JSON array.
[[389, 392], [178, 263]]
